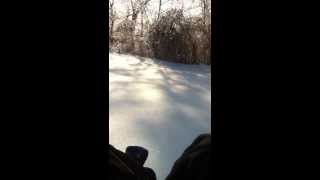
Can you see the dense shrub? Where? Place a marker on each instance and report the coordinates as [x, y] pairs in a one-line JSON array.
[[171, 37]]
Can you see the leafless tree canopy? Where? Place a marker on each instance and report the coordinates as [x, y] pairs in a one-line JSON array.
[[148, 29]]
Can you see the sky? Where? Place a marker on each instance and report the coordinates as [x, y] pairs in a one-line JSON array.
[[153, 6]]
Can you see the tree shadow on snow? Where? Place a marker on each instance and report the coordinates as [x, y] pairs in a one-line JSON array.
[[184, 90]]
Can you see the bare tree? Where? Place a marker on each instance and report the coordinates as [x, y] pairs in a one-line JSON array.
[[172, 32], [160, 4], [137, 7], [112, 19]]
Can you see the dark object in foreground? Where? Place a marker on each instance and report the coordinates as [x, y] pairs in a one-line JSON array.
[[138, 153], [194, 163], [123, 167]]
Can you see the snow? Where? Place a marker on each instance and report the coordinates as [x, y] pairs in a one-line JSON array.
[[159, 105]]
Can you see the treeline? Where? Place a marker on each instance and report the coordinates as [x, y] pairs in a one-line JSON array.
[[171, 35]]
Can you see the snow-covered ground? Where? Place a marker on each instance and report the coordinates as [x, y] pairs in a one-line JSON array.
[[159, 105]]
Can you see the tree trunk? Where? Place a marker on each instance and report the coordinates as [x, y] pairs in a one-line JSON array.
[[160, 3], [142, 13]]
